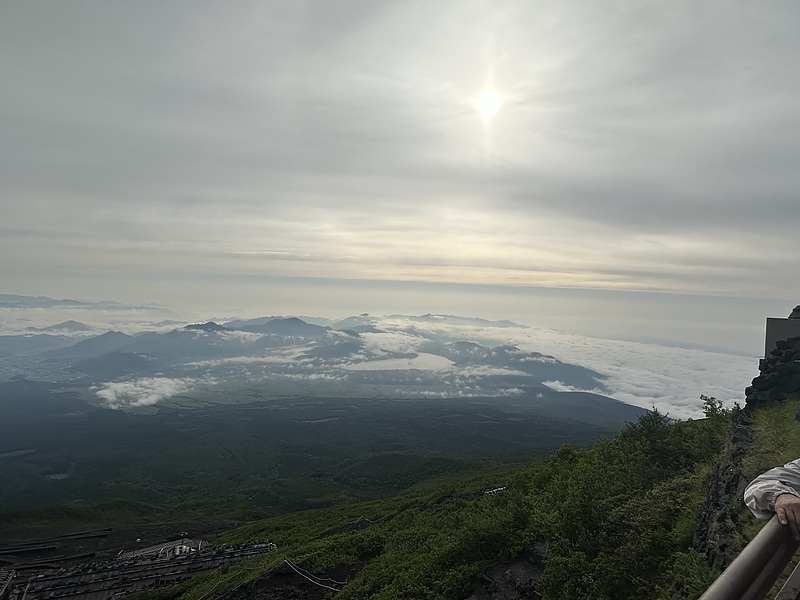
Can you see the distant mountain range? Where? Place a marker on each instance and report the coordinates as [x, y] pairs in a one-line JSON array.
[[93, 346], [65, 327], [394, 356], [19, 301]]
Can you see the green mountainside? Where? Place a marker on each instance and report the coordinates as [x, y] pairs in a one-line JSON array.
[[625, 518], [63, 460], [613, 521]]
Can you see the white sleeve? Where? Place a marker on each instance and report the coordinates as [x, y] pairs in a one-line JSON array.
[[760, 495]]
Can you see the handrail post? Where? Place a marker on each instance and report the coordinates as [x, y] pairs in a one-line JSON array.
[[751, 575]]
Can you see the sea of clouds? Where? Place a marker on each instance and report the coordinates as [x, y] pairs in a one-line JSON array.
[[668, 378]]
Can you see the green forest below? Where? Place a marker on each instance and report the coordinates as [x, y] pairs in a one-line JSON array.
[[612, 521]]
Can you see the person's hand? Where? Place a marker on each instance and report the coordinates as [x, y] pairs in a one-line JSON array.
[[787, 507]]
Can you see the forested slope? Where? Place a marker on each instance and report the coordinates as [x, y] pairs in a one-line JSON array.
[[613, 521]]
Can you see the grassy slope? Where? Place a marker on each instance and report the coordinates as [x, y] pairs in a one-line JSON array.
[[776, 441], [776, 438], [614, 521]]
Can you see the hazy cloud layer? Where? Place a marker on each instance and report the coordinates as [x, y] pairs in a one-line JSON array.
[[18, 320], [646, 146]]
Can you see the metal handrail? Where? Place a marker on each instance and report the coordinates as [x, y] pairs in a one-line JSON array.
[[753, 573]]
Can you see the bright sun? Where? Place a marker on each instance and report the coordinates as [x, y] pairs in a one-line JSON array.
[[487, 104]]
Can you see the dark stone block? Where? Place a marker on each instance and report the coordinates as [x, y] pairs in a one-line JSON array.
[[776, 395], [763, 382], [741, 435], [787, 385]]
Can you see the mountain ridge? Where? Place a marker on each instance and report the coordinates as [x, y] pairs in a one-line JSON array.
[[394, 355]]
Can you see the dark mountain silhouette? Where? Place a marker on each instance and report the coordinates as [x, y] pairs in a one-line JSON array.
[[19, 344], [584, 407], [107, 342], [209, 326], [241, 323], [355, 322], [168, 322], [17, 301], [66, 326], [182, 344], [291, 326], [244, 323]]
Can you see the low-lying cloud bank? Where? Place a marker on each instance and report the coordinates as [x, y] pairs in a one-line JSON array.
[[668, 378], [649, 375], [142, 392]]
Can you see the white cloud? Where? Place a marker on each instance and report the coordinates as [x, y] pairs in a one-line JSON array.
[[423, 361], [390, 341], [485, 371], [311, 376], [559, 386], [145, 391], [242, 360], [540, 359], [245, 337]]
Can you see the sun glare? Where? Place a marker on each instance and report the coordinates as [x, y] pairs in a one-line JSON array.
[[487, 104]]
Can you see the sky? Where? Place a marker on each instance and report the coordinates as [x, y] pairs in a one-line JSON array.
[[638, 178]]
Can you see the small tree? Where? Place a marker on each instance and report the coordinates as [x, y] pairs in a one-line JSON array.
[[712, 407]]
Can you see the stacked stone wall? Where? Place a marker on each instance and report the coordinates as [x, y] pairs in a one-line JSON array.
[[779, 377]]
